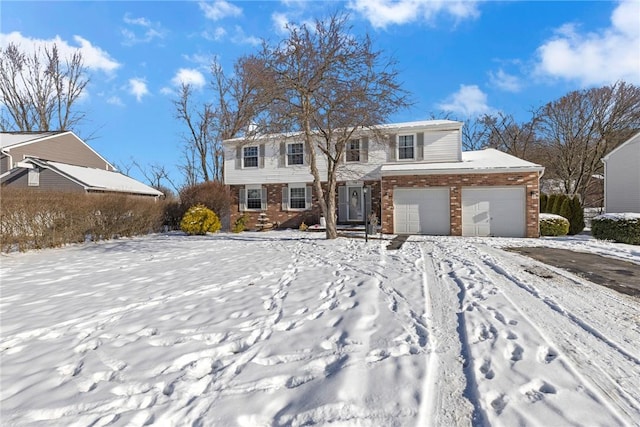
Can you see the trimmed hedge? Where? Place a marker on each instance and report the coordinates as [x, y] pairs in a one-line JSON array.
[[565, 206], [553, 225], [34, 219], [622, 228]]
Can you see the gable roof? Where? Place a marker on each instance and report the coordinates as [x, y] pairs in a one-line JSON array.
[[635, 138], [9, 140], [481, 161], [93, 179]]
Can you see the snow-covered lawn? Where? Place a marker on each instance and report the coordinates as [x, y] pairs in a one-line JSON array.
[[288, 329]]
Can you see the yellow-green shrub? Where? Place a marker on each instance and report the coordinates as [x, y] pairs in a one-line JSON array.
[[553, 225], [200, 220]]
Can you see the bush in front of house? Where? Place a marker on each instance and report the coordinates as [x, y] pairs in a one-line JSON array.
[[199, 220], [34, 219], [619, 227], [576, 221], [553, 225], [567, 207]]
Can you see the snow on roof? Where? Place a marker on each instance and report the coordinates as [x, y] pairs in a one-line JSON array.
[[472, 161], [8, 139], [98, 179]]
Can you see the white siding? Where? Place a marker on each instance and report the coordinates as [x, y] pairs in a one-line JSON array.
[[439, 146], [622, 178], [442, 146]]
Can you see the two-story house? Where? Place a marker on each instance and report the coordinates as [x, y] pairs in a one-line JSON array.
[[418, 178]]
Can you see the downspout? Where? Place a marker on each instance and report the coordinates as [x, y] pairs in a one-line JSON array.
[[6, 153]]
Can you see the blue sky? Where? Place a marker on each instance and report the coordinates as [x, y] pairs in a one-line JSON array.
[[465, 58]]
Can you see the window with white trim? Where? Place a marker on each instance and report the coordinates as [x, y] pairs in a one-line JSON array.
[[33, 179], [297, 197], [406, 147], [254, 198], [250, 157], [353, 151], [295, 154]]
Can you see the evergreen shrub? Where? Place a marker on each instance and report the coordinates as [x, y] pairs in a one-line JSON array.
[[622, 228], [543, 202], [576, 221], [199, 220], [553, 225], [240, 224]]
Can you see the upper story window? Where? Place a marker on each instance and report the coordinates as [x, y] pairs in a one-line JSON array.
[[353, 151], [295, 154], [406, 147], [250, 157]]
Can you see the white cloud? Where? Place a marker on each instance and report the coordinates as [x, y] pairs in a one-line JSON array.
[[381, 13], [149, 30], [280, 22], [138, 88], [189, 76], [219, 9], [596, 58], [115, 100], [469, 101], [240, 37], [94, 58], [217, 34], [504, 81]]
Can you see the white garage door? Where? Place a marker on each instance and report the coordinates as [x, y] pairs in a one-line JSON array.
[[421, 211], [494, 211]]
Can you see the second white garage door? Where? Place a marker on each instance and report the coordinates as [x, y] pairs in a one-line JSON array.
[[421, 211], [493, 211]]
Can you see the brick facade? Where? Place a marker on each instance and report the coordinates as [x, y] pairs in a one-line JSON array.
[[290, 218], [455, 183]]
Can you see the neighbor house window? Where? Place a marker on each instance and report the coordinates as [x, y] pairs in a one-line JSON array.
[[250, 157], [33, 179], [295, 154], [405, 147], [353, 151], [254, 198]]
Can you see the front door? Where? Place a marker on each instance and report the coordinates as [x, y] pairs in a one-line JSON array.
[[355, 203]]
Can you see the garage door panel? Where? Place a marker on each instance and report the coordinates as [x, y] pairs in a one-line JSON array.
[[493, 211], [421, 211]]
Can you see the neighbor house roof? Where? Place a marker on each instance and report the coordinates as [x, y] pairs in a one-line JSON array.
[[94, 179], [9, 139], [482, 161]]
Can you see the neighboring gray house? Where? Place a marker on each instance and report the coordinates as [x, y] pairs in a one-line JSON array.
[[622, 177], [60, 161]]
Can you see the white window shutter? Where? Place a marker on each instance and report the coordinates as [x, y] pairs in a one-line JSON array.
[[263, 199], [242, 200], [309, 198], [285, 198]]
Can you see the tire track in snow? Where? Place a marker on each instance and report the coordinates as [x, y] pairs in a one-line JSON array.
[[488, 282]]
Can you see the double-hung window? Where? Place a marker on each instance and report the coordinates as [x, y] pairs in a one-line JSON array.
[[297, 197], [406, 147], [254, 198], [353, 151], [295, 154], [250, 157]]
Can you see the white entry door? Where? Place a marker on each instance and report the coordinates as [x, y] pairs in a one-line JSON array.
[[494, 211], [421, 211]]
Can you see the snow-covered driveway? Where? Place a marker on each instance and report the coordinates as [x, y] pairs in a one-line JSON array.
[[287, 329]]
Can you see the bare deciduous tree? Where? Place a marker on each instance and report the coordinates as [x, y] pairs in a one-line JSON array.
[[39, 90], [581, 127], [327, 85], [505, 134]]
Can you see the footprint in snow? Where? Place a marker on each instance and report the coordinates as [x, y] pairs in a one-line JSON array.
[[515, 352], [536, 390], [486, 370], [546, 354]]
